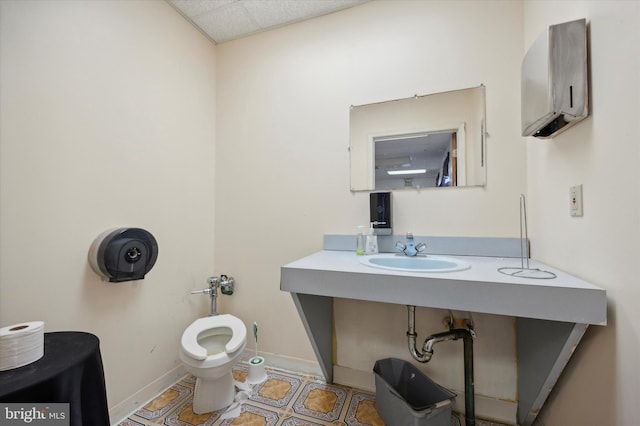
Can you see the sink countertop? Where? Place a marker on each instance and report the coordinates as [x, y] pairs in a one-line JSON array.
[[337, 273]]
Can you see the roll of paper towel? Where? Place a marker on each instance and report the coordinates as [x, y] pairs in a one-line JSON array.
[[21, 344]]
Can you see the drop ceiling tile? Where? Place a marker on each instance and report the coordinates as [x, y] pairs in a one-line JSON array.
[[224, 20], [274, 13], [192, 8], [226, 23]]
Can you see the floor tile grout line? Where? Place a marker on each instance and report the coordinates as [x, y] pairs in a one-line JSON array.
[[284, 412], [281, 411]]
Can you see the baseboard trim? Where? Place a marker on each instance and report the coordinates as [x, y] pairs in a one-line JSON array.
[[139, 399], [354, 378], [285, 363]]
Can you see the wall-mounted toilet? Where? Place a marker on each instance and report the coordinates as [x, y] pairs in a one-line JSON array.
[[209, 348]]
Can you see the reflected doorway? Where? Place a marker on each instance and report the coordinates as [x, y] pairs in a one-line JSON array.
[[417, 160]]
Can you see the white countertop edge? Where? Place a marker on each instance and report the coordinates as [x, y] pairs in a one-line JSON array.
[[478, 289]]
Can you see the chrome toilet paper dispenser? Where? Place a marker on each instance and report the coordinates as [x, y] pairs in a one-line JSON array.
[[123, 254]]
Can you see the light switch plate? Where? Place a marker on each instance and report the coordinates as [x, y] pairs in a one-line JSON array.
[[575, 201]]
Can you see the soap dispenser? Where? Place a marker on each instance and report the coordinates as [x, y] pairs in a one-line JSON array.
[[371, 245], [380, 212], [360, 241]]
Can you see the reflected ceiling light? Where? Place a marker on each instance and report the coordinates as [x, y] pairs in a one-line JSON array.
[[406, 172], [394, 161]]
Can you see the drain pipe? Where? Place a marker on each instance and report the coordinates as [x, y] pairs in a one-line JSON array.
[[427, 352]]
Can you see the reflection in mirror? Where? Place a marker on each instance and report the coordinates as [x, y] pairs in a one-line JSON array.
[[421, 142], [421, 160]]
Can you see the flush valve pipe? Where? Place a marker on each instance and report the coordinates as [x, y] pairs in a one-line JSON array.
[[424, 355], [226, 285]]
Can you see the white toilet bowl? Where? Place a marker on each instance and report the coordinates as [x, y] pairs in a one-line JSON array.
[[209, 348]]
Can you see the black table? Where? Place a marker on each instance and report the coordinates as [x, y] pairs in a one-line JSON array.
[[70, 371]]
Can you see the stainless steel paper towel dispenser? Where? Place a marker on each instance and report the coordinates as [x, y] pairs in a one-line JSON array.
[[123, 254], [555, 92]]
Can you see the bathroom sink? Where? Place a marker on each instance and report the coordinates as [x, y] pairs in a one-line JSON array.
[[420, 263]]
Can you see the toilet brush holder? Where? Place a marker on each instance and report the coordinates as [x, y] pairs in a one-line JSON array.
[[257, 372]]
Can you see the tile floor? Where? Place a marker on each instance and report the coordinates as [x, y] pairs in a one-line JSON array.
[[284, 399]]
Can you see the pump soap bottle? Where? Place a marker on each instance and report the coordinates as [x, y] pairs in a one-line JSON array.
[[360, 241], [371, 245]]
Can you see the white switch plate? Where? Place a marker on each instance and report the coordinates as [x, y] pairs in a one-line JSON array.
[[575, 201]]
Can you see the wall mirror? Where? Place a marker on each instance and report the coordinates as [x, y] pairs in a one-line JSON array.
[[429, 141]]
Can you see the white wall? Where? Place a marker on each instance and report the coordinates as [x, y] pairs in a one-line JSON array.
[[107, 116], [282, 170], [601, 384], [95, 95]]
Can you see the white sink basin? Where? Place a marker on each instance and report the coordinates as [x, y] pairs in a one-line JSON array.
[[420, 263]]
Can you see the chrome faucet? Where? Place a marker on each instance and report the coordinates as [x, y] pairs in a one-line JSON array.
[[410, 248]]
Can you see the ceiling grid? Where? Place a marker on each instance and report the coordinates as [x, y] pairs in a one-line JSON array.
[[225, 20]]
